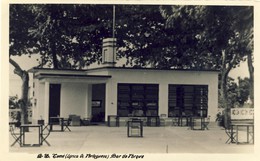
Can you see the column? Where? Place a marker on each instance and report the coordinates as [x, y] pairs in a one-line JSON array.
[[111, 99], [46, 101], [89, 101], [163, 99]]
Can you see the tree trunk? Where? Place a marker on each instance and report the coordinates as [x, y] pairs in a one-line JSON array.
[[223, 93], [226, 67], [24, 98], [54, 54], [251, 77], [23, 102]]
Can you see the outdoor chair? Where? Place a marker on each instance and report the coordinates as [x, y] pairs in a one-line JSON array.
[[206, 123], [74, 120], [163, 118], [16, 135], [231, 135], [175, 121], [135, 128], [45, 134], [66, 124], [152, 121], [129, 118], [45, 131]]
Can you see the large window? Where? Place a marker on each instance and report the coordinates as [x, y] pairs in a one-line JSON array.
[[137, 99], [188, 100]]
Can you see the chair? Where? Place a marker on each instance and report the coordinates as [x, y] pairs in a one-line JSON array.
[[135, 128], [45, 134], [231, 135], [206, 123], [45, 131], [163, 118], [15, 135], [74, 120], [175, 121], [191, 122], [129, 118], [152, 120], [66, 124]]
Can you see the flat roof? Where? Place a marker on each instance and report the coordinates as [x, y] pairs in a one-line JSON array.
[[41, 75], [123, 68]]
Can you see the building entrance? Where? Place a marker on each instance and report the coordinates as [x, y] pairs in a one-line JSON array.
[[98, 103]]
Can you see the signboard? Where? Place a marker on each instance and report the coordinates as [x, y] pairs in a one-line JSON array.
[[242, 113], [96, 103]]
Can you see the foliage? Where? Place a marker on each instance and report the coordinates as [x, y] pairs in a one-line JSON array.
[[66, 36], [220, 119], [13, 102], [70, 36], [238, 93], [221, 42], [243, 90], [205, 27]]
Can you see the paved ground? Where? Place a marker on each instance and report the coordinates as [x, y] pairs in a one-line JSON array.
[[102, 139]]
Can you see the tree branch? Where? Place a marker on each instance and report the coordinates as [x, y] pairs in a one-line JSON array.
[[232, 62], [17, 69]]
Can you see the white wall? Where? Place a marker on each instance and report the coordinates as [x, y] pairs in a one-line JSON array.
[[75, 99], [38, 110], [111, 98], [163, 78]]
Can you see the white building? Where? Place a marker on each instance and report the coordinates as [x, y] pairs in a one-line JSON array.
[[109, 90]]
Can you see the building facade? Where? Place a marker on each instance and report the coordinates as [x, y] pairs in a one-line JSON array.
[[108, 90], [98, 93]]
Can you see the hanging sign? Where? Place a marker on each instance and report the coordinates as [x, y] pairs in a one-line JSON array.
[[242, 113]]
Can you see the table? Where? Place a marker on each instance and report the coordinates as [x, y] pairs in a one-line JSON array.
[[235, 129], [53, 121], [192, 122], [23, 130], [135, 128]]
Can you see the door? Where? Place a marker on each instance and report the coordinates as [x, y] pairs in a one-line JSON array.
[[54, 101]]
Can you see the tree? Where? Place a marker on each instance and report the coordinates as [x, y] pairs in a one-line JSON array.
[[13, 102], [237, 92], [245, 27], [54, 32], [20, 42], [243, 91], [70, 36], [221, 42], [150, 43]]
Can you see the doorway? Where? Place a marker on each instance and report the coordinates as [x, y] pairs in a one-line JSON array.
[[54, 101], [98, 103]]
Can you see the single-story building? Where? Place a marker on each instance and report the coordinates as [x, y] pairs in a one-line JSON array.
[[109, 90]]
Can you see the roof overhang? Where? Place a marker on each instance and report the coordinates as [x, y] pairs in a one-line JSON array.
[[72, 78]]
